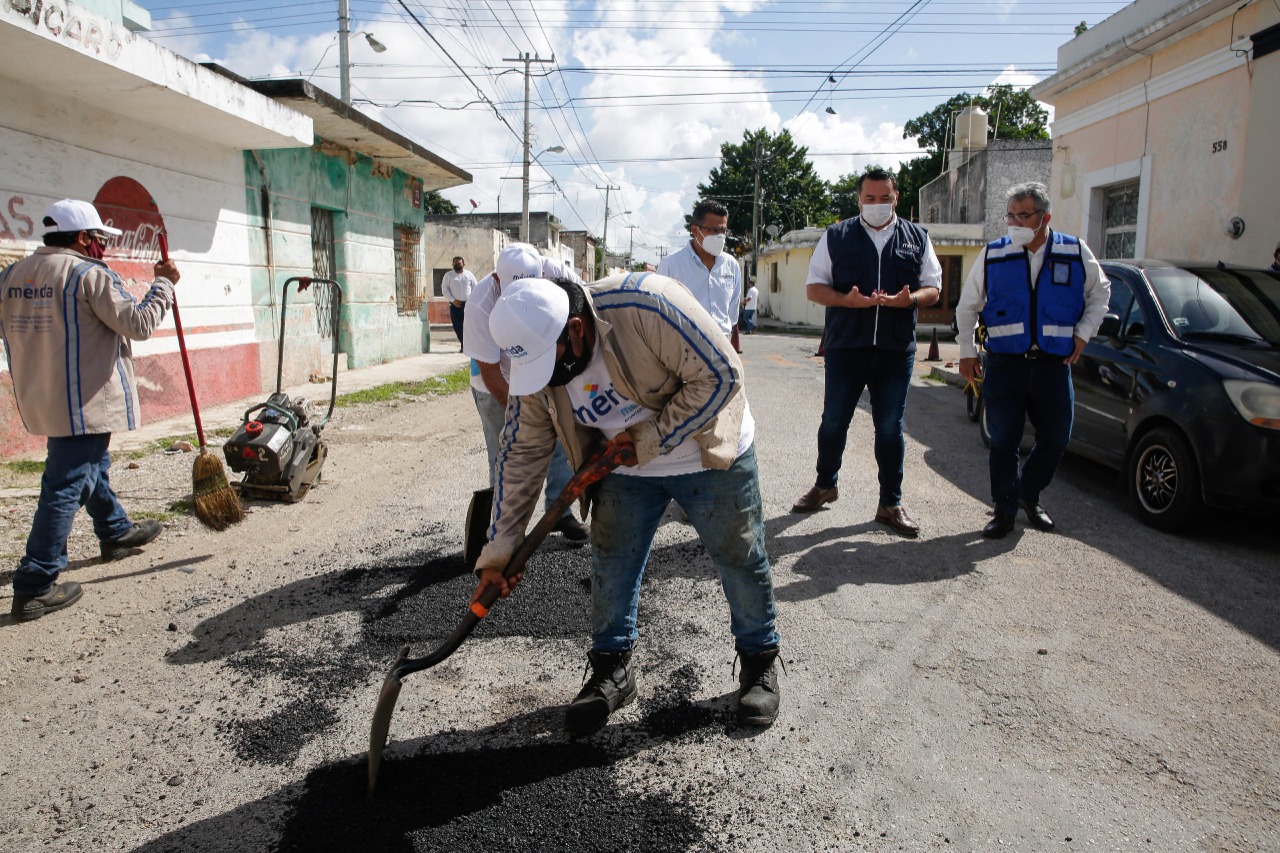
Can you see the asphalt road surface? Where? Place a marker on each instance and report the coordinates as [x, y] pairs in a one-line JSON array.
[[1107, 687]]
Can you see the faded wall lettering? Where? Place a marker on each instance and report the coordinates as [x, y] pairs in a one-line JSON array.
[[15, 224], [80, 27]]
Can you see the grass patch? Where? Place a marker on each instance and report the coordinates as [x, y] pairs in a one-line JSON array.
[[26, 466], [213, 436], [436, 386]]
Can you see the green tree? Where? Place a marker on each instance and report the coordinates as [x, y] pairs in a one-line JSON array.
[[791, 193], [1012, 114], [434, 204]]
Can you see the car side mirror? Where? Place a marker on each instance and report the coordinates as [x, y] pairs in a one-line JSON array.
[[1110, 327]]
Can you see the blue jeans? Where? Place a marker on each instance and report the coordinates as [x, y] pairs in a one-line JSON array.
[[1014, 390], [723, 507], [455, 317], [492, 419], [886, 376], [748, 320], [75, 475]]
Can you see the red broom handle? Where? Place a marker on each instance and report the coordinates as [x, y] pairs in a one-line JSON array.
[[182, 346]]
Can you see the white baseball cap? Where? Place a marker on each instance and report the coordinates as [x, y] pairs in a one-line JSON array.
[[70, 215], [517, 261], [526, 322]]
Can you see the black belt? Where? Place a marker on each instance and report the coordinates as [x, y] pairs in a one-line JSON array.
[[1032, 355]]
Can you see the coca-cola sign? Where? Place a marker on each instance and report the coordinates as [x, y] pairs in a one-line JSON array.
[[126, 204]]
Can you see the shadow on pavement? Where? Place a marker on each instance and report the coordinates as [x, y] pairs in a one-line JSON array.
[[518, 785]]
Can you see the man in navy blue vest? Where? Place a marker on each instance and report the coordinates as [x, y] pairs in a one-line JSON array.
[[1041, 295], [871, 272]]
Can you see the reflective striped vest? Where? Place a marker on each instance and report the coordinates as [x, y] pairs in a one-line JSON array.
[[1055, 304]]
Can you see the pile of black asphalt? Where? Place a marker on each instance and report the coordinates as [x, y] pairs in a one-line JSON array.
[[517, 784]]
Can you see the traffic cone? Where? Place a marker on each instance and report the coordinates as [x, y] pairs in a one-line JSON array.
[[933, 346]]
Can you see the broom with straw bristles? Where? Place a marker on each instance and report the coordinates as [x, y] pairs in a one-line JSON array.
[[216, 503]]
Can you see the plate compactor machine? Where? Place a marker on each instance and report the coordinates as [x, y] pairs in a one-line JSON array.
[[278, 448]]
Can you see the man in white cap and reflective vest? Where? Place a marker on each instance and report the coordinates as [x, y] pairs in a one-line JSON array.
[[490, 365], [68, 324], [635, 359]]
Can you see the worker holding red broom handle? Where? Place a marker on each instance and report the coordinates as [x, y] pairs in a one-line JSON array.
[[68, 325], [216, 504]]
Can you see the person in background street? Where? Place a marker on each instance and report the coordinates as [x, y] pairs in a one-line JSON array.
[[710, 273], [490, 367], [871, 272], [636, 360], [1041, 295], [749, 302], [457, 285], [1275, 259], [67, 323]]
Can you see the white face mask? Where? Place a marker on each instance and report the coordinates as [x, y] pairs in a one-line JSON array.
[[1020, 236], [876, 215], [713, 244]]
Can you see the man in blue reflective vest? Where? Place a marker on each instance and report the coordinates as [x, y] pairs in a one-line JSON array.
[[1041, 295], [871, 273]]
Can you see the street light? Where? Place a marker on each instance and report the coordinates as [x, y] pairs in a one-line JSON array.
[[604, 238], [524, 204], [344, 58]]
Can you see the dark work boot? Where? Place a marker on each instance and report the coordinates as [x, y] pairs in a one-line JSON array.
[[140, 534], [758, 688], [28, 607], [610, 686]]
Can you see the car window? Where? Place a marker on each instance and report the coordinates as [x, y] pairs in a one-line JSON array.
[[1219, 304], [1134, 325], [1121, 298]]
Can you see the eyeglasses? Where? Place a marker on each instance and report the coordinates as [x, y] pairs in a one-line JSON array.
[[98, 237], [1024, 218], [713, 231]]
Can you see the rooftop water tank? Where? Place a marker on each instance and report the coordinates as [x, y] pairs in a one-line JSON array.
[[971, 128]]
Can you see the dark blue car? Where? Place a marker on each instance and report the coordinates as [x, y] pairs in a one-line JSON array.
[[1180, 389]]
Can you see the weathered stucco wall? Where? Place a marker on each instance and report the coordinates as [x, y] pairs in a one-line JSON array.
[[1197, 126], [198, 189], [369, 203]]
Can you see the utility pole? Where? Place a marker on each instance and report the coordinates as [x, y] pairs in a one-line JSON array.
[[344, 57], [755, 218], [631, 259], [524, 206], [604, 238]]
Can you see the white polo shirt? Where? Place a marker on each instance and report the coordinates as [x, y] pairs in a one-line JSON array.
[[718, 289]]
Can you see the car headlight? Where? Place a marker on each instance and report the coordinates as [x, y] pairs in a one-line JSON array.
[[1257, 402]]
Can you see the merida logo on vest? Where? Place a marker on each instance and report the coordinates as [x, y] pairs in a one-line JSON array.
[[15, 292], [602, 402]]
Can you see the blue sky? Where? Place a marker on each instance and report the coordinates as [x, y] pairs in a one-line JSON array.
[[642, 92]]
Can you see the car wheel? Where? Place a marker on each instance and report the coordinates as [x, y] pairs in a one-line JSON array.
[[1163, 480], [972, 404]]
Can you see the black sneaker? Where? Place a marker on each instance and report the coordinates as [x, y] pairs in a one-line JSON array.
[[610, 687], [571, 528], [141, 533], [28, 607], [758, 688]]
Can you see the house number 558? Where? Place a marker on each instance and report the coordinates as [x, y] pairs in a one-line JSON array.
[[1220, 145]]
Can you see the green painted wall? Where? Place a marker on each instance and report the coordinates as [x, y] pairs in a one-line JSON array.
[[369, 202]]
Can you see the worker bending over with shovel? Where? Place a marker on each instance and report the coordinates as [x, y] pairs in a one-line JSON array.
[[637, 360]]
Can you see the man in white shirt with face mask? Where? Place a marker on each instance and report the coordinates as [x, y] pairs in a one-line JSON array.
[[1041, 295], [705, 269], [871, 272]]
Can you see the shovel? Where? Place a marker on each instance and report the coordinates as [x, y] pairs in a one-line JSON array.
[[610, 456]]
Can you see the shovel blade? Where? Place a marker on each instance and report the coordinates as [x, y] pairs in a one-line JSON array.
[[381, 726]]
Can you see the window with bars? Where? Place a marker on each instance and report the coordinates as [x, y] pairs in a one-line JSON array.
[[324, 256], [408, 288], [1120, 220]]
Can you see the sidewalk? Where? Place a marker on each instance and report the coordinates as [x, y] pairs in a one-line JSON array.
[[444, 358]]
